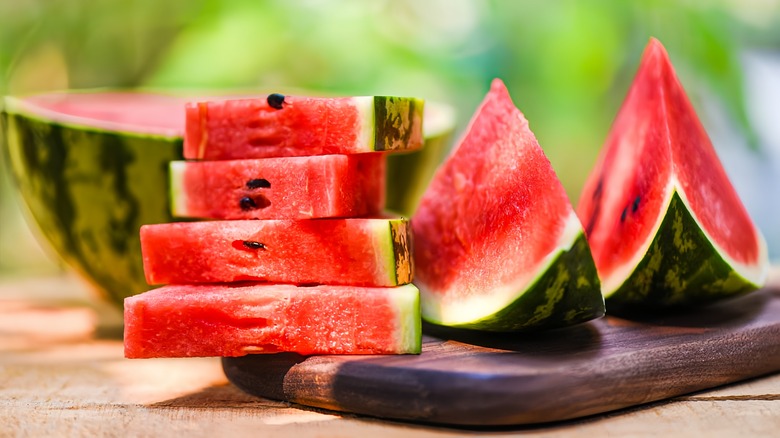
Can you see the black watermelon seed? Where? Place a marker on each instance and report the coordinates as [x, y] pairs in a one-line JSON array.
[[258, 183], [623, 215], [247, 203], [275, 100], [635, 206], [251, 244]]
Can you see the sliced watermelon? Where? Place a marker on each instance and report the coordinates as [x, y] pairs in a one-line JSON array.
[[287, 126], [360, 252], [497, 245], [279, 188], [664, 223], [235, 320]]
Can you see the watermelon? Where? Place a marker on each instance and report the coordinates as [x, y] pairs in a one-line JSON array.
[[240, 319], [92, 167], [411, 172], [353, 251], [285, 126], [497, 244], [665, 225], [279, 188]]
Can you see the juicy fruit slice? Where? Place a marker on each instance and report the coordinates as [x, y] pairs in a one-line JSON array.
[[279, 188], [664, 223], [296, 126], [360, 252], [497, 245], [235, 320]]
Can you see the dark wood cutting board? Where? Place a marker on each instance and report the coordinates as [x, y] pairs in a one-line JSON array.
[[477, 379]]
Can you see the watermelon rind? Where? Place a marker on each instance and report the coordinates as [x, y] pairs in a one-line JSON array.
[[89, 190], [564, 290], [177, 192], [407, 300], [680, 266], [410, 173]]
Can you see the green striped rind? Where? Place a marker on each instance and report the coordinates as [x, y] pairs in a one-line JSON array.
[[680, 269], [409, 174], [401, 243], [89, 191], [397, 123], [567, 293], [407, 302]]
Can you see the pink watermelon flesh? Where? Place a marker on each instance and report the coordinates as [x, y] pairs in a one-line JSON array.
[[143, 113], [493, 214], [657, 143], [280, 188], [362, 252], [240, 319], [252, 128]]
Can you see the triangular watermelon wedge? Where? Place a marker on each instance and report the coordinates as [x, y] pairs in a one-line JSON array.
[[665, 225], [497, 244]]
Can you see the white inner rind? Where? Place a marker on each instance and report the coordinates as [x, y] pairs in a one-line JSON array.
[[178, 194], [455, 310], [754, 274], [406, 301], [365, 107], [20, 106]]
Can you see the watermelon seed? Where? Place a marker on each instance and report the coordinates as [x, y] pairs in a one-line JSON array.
[[623, 215], [635, 206], [275, 100], [258, 183], [247, 203], [251, 244]]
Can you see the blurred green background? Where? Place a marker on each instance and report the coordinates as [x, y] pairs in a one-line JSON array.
[[568, 65]]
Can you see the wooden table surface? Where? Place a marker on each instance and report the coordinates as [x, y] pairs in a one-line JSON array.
[[62, 374]]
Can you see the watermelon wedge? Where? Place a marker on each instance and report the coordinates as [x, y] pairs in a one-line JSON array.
[[354, 251], [664, 223], [279, 188], [235, 320], [497, 245], [286, 126]]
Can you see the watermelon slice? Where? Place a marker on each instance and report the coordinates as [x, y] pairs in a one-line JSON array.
[[361, 252], [279, 188], [286, 126], [235, 320], [497, 245], [664, 223]]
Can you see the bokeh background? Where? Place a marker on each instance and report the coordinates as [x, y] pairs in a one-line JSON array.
[[568, 65]]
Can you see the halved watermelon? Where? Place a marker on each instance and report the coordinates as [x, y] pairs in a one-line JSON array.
[[279, 188], [664, 223], [286, 126], [240, 319], [497, 245], [360, 252]]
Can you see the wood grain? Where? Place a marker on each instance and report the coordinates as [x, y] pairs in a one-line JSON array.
[[469, 378]]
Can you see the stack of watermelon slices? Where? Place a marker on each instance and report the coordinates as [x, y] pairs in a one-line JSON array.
[[295, 253]]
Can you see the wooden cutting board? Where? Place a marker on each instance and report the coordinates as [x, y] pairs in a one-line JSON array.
[[476, 379]]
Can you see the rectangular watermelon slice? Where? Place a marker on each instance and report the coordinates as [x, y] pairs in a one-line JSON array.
[[235, 320], [353, 251], [279, 188], [289, 126]]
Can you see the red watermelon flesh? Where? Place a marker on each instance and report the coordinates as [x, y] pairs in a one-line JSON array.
[[658, 146], [299, 126], [146, 113], [240, 319], [354, 251], [491, 222], [279, 188]]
